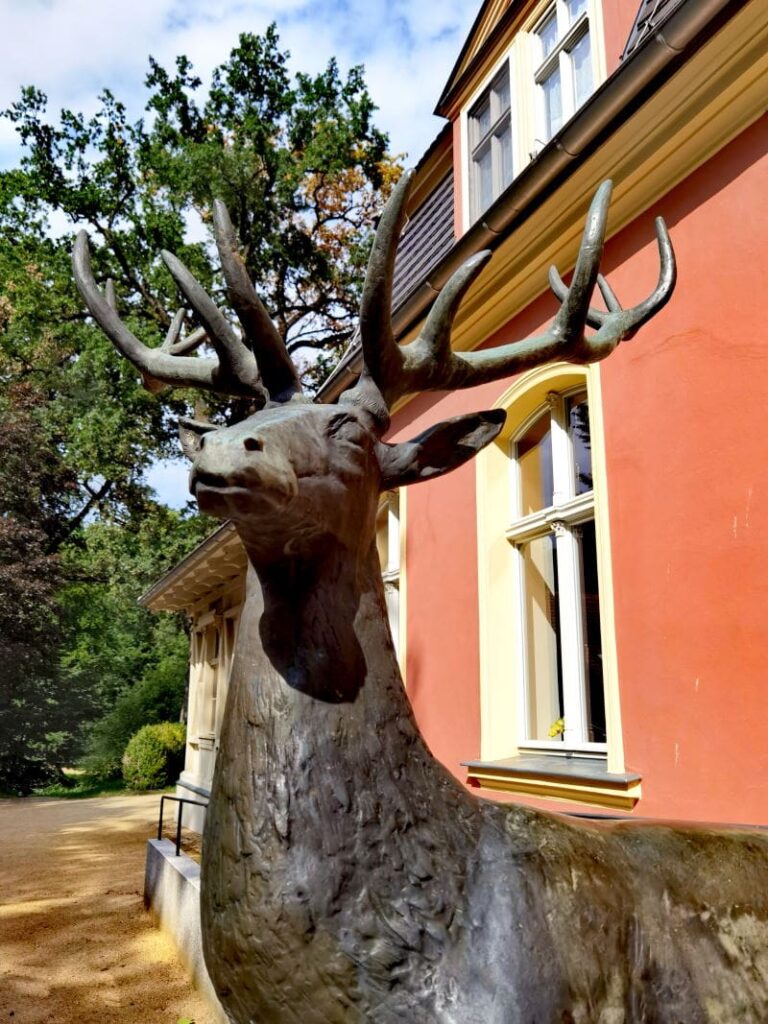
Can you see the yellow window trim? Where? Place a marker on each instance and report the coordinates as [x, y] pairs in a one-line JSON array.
[[402, 586], [619, 795], [498, 688]]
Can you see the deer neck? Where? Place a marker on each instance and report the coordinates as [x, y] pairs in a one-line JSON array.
[[316, 685], [316, 617]]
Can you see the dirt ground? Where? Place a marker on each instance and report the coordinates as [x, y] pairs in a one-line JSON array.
[[76, 945]]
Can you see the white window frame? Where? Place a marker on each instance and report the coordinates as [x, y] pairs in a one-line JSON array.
[[559, 58], [563, 517], [500, 121], [522, 58]]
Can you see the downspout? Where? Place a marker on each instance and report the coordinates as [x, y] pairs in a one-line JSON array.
[[688, 28]]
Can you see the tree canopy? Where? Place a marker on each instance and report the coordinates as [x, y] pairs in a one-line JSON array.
[[303, 169]]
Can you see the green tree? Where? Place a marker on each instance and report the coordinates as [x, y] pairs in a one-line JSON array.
[[35, 703], [302, 168], [131, 664], [299, 163]]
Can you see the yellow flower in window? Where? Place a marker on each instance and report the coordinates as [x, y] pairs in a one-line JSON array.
[[557, 728]]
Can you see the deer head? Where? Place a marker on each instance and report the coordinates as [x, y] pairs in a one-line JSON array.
[[296, 472]]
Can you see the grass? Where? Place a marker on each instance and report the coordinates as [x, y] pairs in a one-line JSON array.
[[80, 785]]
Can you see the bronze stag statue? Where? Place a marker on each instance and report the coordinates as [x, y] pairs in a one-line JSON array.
[[347, 876]]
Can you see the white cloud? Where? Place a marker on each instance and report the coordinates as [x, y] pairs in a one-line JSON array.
[[72, 49]]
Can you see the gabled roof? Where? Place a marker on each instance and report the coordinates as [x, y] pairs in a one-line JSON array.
[[648, 18], [489, 17]]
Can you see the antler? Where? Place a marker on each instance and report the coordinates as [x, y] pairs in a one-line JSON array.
[[234, 372], [628, 321], [259, 369], [172, 343], [427, 363], [277, 370]]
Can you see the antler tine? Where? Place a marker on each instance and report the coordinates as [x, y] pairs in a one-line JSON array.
[[235, 358], [382, 355], [436, 335], [277, 370], [192, 341], [574, 311], [172, 335], [157, 365], [559, 288], [609, 298], [428, 360], [631, 320]]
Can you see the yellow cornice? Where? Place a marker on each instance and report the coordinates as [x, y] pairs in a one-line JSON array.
[[214, 567], [490, 38]]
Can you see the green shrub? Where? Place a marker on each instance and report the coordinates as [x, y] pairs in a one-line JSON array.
[[154, 756], [158, 696]]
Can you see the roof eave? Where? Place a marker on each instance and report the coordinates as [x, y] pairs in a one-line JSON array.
[[646, 69]]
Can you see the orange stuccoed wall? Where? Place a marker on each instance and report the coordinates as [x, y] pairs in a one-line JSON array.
[[687, 461], [618, 18]]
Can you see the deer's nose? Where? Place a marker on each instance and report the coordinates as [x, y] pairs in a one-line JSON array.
[[253, 444]]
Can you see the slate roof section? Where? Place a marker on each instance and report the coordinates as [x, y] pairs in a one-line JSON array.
[[651, 14], [428, 236]]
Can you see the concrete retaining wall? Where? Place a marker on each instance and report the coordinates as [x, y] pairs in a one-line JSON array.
[[172, 895]]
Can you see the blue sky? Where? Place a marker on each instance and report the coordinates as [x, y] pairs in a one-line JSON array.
[[72, 49]]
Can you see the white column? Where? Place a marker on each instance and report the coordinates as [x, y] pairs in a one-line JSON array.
[[571, 633]]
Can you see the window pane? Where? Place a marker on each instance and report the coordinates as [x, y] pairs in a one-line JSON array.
[[542, 638], [593, 652], [484, 179], [578, 428], [576, 8], [581, 62], [534, 460], [553, 104], [504, 143], [501, 88], [481, 119], [548, 35]]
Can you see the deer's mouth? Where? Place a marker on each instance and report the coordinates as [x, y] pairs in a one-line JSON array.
[[213, 489], [202, 479]]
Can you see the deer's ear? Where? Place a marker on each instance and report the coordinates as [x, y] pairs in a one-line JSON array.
[[191, 433], [439, 449]]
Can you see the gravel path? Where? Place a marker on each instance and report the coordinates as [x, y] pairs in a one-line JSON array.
[[76, 946]]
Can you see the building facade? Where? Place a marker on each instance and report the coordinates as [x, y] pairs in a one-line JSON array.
[[594, 639]]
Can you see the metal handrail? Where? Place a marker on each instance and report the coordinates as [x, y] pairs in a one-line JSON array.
[[179, 800]]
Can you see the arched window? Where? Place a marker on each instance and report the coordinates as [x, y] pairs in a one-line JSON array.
[[552, 531], [550, 716]]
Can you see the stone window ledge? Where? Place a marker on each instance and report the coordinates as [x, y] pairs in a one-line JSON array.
[[584, 780]]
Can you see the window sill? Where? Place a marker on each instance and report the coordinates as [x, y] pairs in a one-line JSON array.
[[585, 780]]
